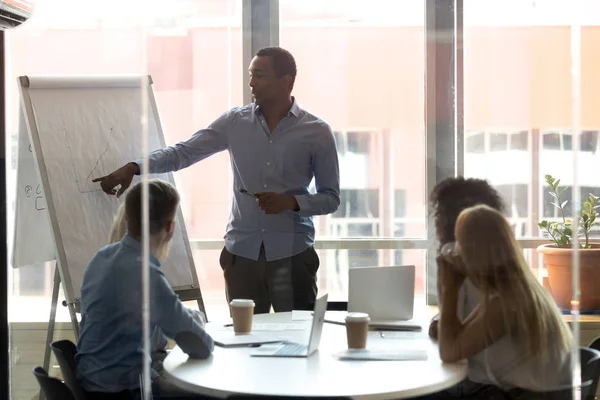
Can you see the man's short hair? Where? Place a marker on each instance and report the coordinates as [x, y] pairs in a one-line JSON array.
[[283, 61], [163, 202], [453, 195]]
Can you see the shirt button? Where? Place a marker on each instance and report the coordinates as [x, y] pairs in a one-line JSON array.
[[265, 185], [264, 230], [270, 141], [268, 163]]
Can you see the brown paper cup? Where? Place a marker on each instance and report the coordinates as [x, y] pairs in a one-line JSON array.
[[241, 313], [357, 329]]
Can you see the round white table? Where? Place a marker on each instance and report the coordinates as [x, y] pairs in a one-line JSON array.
[[233, 371]]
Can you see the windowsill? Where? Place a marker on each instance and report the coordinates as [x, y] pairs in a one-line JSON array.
[[32, 313], [586, 322]]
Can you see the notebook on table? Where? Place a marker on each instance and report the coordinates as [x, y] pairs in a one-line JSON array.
[[230, 339]]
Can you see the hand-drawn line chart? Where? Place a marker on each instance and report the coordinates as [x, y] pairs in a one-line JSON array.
[[81, 167], [40, 204]]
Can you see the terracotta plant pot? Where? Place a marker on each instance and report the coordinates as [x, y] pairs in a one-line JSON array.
[[558, 263]]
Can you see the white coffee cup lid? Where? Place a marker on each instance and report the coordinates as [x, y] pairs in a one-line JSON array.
[[242, 303], [357, 317]]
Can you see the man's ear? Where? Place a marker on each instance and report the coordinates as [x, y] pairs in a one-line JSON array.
[[288, 81], [170, 226]]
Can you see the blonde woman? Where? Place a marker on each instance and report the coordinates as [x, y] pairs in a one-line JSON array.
[[515, 340], [109, 363], [119, 226]]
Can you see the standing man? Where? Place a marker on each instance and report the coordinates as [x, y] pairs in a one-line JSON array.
[[276, 148]]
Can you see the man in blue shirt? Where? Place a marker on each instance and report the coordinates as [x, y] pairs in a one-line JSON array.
[[110, 346], [276, 148]]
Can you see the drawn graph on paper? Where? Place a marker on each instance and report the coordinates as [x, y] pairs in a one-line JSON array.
[[85, 171]]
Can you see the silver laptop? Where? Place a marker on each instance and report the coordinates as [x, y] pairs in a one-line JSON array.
[[297, 349], [385, 293]]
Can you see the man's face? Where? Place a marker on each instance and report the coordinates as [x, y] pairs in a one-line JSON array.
[[265, 84]]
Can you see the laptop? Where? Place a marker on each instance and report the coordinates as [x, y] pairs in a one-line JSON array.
[[296, 349], [387, 294]]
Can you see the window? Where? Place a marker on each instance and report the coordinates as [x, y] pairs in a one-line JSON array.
[[355, 150], [516, 199], [519, 140], [475, 142], [361, 258], [358, 203], [589, 141], [353, 142], [498, 141], [379, 133], [567, 141], [33, 280], [399, 221], [551, 141]]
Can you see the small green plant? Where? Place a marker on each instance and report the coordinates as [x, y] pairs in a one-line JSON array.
[[561, 233]]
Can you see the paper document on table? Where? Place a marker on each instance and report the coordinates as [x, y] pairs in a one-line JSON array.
[[230, 339], [403, 335], [383, 355], [300, 315], [273, 327], [266, 327]]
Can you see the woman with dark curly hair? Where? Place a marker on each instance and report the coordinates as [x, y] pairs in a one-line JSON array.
[[447, 200]]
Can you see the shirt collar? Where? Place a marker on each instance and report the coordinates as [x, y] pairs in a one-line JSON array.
[[130, 242], [294, 110]]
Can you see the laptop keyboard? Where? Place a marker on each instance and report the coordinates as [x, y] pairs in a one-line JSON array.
[[292, 349]]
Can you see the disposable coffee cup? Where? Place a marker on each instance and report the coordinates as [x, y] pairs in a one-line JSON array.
[[357, 329], [241, 313]]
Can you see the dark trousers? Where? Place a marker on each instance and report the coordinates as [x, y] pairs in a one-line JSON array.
[[286, 284]]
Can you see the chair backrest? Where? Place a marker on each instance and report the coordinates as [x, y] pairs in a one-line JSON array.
[[595, 344], [52, 388], [590, 371], [64, 351]]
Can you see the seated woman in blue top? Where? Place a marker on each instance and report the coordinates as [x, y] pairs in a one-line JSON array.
[[158, 342], [109, 350]]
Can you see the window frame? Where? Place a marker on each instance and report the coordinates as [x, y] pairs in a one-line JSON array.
[[4, 343]]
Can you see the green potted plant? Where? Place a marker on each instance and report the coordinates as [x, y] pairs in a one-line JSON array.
[[558, 255]]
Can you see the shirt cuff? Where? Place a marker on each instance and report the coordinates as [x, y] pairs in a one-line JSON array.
[[139, 164], [199, 317], [303, 202]]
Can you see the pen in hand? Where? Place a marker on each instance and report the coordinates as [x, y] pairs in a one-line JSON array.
[[244, 191]]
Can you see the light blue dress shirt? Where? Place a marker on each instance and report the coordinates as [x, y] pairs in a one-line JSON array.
[[110, 347], [301, 147]]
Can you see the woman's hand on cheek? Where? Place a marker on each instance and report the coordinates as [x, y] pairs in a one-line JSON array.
[[450, 271]]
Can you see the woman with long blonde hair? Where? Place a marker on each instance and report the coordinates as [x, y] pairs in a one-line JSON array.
[[158, 341], [515, 340], [119, 226]]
